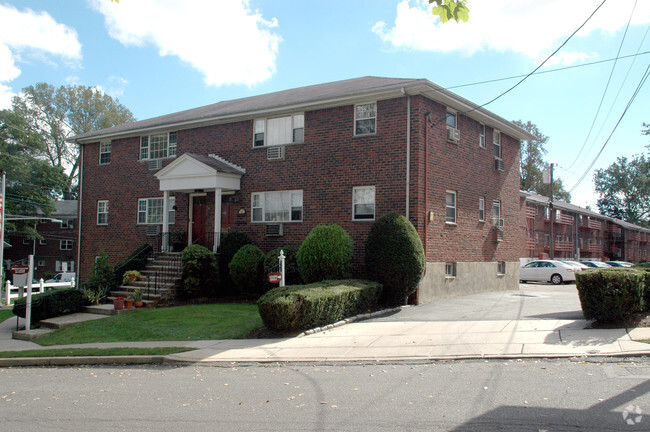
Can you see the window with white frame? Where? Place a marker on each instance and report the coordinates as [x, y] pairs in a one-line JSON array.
[[27, 241], [66, 245], [42, 241], [64, 266], [279, 206], [67, 223], [158, 146], [41, 263], [501, 268], [496, 212], [450, 270], [481, 135], [279, 130], [363, 203], [481, 209], [104, 152], [102, 212], [150, 211], [365, 118], [450, 205], [496, 140], [452, 119]]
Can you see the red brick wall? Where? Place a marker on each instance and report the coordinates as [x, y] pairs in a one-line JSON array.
[[326, 167]]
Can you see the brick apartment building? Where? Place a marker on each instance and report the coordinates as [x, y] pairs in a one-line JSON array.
[[580, 234], [56, 249], [277, 165]]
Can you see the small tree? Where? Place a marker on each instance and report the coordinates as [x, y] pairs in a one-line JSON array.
[[326, 253], [246, 268], [230, 243], [395, 257], [102, 272]]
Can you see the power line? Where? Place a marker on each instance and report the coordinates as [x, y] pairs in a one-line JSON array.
[[609, 80], [632, 98], [548, 71]]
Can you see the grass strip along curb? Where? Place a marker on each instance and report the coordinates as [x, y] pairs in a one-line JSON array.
[[94, 352]]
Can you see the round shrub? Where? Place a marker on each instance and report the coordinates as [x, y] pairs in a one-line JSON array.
[[395, 257], [246, 268], [230, 243], [326, 253], [199, 271], [291, 273]]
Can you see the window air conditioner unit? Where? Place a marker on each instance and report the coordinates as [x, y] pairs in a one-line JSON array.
[[498, 223], [498, 235], [155, 164], [153, 230], [453, 135], [275, 153], [499, 164], [274, 230]]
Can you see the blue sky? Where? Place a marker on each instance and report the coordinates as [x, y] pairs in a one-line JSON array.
[[159, 57]]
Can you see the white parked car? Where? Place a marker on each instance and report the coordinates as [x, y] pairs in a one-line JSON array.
[[596, 264], [578, 265], [552, 271], [62, 277]]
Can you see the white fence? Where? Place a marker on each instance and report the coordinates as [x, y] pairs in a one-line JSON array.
[[13, 292]]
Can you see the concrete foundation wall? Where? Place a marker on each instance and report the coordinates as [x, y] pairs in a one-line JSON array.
[[471, 278]]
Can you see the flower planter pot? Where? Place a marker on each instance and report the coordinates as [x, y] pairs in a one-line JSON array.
[[128, 304], [118, 303], [138, 303]]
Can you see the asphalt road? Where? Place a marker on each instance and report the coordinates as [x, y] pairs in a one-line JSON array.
[[531, 301], [525, 395]]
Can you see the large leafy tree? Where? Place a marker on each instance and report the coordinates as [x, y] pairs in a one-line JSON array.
[[32, 183], [531, 160], [624, 189], [54, 114]]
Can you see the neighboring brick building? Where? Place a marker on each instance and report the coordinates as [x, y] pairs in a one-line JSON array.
[[346, 152], [56, 251], [580, 234]]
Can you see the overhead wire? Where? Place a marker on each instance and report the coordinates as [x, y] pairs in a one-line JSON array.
[[609, 80]]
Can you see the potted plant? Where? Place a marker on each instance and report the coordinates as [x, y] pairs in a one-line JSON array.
[[137, 298], [128, 303], [130, 276], [118, 303], [94, 296]]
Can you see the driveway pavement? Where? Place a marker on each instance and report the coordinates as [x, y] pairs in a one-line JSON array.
[[537, 320]]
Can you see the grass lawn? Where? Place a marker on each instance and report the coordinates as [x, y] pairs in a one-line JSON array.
[[5, 314], [93, 352], [194, 322]]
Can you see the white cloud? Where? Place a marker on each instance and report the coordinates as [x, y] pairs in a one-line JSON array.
[[224, 40], [531, 28], [30, 33], [114, 86]]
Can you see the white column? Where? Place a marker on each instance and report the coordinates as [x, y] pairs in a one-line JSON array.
[[217, 219], [165, 222]]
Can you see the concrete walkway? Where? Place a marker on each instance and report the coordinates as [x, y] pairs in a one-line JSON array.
[[536, 321]]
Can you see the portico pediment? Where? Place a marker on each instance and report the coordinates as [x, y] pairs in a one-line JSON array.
[[191, 172]]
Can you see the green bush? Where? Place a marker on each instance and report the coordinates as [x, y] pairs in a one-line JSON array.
[[51, 304], [230, 243], [246, 268], [199, 267], [302, 307], [291, 273], [395, 257], [326, 253], [102, 273], [610, 295]]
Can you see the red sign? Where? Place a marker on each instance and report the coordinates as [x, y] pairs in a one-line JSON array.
[[275, 278], [20, 270]]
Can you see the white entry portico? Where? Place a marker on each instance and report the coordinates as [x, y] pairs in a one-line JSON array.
[[192, 173]]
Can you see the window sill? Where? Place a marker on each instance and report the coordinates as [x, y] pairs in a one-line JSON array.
[[363, 220], [451, 223], [274, 222], [364, 135], [277, 145], [450, 277]]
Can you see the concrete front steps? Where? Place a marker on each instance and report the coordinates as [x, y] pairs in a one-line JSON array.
[[160, 279]]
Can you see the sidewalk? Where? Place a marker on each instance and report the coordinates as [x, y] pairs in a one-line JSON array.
[[400, 337]]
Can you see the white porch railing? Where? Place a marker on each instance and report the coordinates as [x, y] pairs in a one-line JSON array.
[[13, 292]]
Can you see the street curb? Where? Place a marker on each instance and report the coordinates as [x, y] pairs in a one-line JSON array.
[[345, 321], [81, 360]]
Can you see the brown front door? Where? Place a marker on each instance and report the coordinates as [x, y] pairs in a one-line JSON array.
[[199, 219], [227, 216]]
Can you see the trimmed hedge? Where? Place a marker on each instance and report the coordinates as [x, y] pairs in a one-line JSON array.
[[51, 304], [610, 295], [301, 307], [230, 243], [325, 254], [199, 271], [395, 257], [246, 268]]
